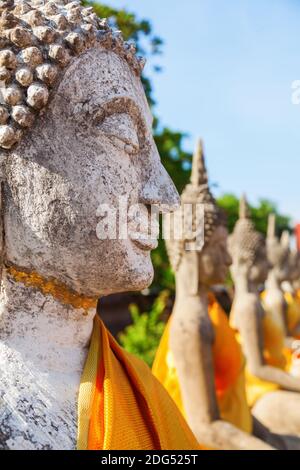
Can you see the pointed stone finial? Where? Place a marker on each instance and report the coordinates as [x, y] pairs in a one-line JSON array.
[[271, 227], [199, 173], [244, 212]]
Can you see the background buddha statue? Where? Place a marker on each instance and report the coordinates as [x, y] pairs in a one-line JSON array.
[[199, 360], [272, 392], [289, 287], [75, 133], [278, 253]]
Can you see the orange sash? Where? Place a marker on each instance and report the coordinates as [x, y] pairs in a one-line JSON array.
[[228, 370], [293, 312], [123, 406]]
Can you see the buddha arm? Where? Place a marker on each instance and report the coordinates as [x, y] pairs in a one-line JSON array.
[[191, 338], [288, 341], [250, 327], [278, 441], [289, 338], [289, 334]]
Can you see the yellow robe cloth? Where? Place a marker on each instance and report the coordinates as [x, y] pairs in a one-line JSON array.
[[228, 369], [277, 353], [274, 353], [122, 406], [293, 312]]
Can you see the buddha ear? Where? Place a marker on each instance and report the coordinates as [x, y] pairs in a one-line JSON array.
[[193, 274]]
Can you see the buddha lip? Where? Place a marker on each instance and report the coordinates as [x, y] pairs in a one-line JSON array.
[[145, 244]]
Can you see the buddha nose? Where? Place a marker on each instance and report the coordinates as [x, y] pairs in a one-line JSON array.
[[159, 190]]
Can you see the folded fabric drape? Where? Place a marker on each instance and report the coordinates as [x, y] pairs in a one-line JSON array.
[[293, 312], [123, 406], [229, 367]]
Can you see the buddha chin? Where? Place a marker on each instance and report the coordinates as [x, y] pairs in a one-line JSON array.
[[100, 267]]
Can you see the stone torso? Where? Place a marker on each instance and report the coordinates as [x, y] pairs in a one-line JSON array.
[[29, 416], [43, 349]]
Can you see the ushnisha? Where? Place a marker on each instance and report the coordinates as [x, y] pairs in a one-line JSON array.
[[37, 41]]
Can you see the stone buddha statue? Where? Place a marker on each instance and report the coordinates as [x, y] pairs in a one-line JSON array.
[[199, 360], [272, 392], [291, 295], [278, 253], [295, 274], [75, 135]]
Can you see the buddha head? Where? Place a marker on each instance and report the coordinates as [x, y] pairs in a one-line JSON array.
[[294, 266], [248, 249], [278, 251], [75, 136], [210, 261]]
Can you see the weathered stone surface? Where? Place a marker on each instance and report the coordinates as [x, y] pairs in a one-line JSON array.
[[33, 31], [42, 352], [70, 163], [92, 145]]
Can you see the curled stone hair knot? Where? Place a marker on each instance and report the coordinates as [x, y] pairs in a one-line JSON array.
[[245, 242], [38, 39]]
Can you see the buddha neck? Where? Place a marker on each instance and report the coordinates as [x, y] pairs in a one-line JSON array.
[[272, 282], [287, 286], [39, 326], [43, 344], [191, 297], [242, 284]]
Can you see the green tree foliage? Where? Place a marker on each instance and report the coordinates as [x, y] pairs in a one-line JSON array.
[[143, 336], [259, 214]]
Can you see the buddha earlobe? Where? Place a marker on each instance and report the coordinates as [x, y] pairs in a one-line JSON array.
[[193, 281]]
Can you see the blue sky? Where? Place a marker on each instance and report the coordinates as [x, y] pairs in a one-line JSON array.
[[227, 72]]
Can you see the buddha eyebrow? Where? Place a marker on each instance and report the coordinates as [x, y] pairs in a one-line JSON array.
[[127, 106]]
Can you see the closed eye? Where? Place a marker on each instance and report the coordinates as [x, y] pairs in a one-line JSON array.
[[120, 129]]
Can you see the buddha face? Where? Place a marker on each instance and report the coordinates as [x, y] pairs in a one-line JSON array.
[[278, 257], [259, 270], [214, 259], [92, 146], [294, 266]]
